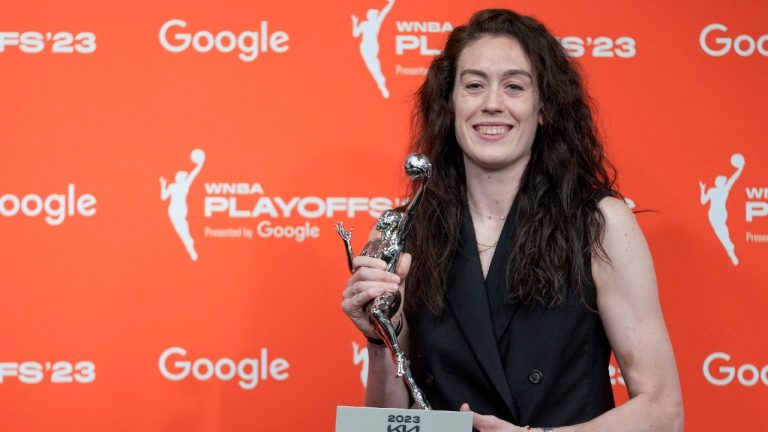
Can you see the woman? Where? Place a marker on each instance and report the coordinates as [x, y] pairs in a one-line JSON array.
[[527, 269]]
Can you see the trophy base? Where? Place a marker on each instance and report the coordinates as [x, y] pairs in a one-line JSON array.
[[364, 419]]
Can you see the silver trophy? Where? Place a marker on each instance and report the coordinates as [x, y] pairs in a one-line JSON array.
[[393, 226]]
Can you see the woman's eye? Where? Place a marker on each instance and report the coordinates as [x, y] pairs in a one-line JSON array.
[[515, 87], [473, 86]]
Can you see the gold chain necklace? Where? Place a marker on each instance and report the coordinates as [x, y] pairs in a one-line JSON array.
[[486, 247], [487, 216]]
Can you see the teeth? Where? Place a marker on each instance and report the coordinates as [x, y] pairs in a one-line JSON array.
[[492, 130]]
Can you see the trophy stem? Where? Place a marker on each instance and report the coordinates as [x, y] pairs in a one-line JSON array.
[[418, 396]]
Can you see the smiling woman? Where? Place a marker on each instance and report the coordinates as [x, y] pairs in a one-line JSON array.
[[528, 270], [496, 104]]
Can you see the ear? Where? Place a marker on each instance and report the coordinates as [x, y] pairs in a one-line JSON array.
[[541, 116]]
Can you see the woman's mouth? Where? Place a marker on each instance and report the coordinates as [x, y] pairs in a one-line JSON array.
[[492, 130]]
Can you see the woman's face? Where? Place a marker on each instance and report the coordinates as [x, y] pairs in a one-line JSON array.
[[496, 103]]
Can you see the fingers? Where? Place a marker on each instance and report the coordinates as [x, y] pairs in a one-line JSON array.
[[487, 423], [366, 261], [404, 266], [353, 304], [368, 289], [368, 274], [369, 281]]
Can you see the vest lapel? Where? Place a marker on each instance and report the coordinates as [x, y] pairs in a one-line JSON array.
[[502, 310], [468, 300]]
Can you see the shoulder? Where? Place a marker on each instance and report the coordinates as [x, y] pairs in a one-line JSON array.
[[615, 210], [622, 239], [627, 256], [620, 223]]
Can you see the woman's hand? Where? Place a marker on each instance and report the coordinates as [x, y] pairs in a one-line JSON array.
[[489, 423], [370, 280]]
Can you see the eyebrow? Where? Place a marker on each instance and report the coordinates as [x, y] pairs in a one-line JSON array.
[[507, 73]]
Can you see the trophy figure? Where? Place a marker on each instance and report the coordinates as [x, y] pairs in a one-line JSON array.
[[393, 226]]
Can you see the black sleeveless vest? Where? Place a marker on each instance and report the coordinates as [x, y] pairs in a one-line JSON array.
[[529, 365]]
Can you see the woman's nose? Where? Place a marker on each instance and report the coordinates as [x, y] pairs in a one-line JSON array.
[[492, 101]]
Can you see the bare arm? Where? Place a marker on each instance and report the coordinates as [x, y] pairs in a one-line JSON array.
[[629, 308], [628, 302]]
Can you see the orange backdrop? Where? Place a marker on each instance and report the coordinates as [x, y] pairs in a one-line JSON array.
[[108, 323]]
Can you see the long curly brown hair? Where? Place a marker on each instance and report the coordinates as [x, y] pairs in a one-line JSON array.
[[559, 227]]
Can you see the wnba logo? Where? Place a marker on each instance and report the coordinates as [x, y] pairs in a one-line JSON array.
[[368, 32], [176, 194], [717, 197]]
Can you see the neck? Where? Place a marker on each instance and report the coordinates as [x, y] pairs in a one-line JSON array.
[[491, 193]]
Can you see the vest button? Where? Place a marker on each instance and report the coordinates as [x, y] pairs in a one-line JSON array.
[[535, 376], [429, 379]]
